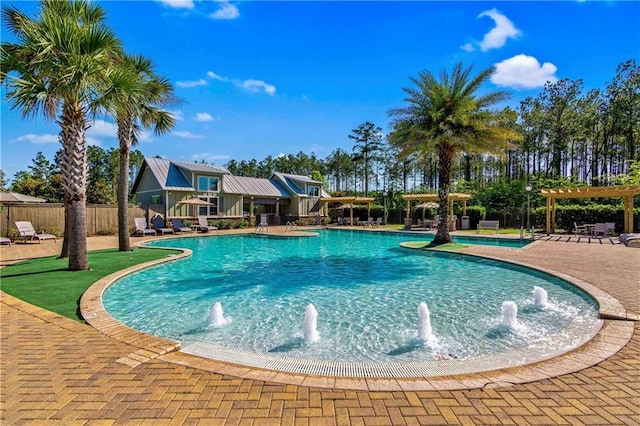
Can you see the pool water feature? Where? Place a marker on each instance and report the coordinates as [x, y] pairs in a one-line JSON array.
[[366, 292]]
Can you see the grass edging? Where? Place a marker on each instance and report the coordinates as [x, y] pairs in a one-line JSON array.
[[47, 283]]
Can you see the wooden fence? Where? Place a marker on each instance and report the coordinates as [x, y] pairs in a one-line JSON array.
[[102, 219]]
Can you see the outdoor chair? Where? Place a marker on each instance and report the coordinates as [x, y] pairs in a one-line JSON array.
[[179, 226], [5, 240], [611, 227], [26, 230], [580, 229], [141, 227], [204, 226], [369, 222], [377, 223], [160, 226], [600, 229]]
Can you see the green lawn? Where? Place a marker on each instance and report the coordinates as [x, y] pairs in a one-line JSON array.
[[47, 283]]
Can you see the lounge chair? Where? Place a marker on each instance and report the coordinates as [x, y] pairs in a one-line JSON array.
[[160, 226], [26, 230], [369, 222], [141, 227], [179, 226], [377, 223], [203, 225], [5, 240]]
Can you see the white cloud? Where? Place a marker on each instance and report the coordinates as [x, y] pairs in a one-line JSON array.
[[215, 76], [200, 82], [93, 141], [226, 11], [42, 139], [203, 116], [468, 47], [101, 128], [255, 86], [210, 157], [177, 115], [145, 136], [178, 4], [523, 72], [498, 35], [186, 135]]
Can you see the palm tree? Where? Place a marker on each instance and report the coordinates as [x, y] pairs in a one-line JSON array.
[[58, 66], [134, 98], [448, 117]]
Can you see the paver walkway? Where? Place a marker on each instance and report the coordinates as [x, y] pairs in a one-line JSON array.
[[57, 371]]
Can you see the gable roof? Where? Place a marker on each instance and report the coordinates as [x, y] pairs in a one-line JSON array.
[[292, 182], [253, 186], [170, 175]]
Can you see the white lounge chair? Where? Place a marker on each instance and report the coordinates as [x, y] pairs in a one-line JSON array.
[[142, 227], [203, 225], [26, 230], [5, 240], [611, 227], [377, 223]]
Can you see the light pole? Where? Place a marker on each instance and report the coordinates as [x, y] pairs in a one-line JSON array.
[[528, 188], [386, 213]]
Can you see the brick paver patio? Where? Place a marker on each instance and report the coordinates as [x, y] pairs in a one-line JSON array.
[[58, 371]]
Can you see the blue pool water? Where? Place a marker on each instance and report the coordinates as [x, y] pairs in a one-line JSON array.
[[366, 290]]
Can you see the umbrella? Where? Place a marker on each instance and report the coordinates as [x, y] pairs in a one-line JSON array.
[[195, 201], [428, 205], [8, 198], [347, 206]]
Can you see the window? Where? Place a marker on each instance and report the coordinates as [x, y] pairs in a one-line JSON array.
[[156, 199], [211, 210], [207, 183], [314, 191]]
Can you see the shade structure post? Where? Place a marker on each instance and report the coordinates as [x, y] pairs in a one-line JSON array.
[[628, 214], [408, 209], [464, 207], [548, 216]]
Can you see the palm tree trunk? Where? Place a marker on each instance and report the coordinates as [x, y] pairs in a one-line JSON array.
[[125, 132], [73, 165], [445, 157]]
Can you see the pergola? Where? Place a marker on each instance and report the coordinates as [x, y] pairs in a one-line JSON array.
[[350, 200], [434, 197], [626, 192]]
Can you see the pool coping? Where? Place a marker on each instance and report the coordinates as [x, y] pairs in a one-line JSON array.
[[615, 333]]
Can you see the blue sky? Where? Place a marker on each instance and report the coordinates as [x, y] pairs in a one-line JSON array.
[[264, 78]]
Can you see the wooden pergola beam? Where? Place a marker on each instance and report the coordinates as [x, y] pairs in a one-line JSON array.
[[453, 196], [626, 192], [353, 200]]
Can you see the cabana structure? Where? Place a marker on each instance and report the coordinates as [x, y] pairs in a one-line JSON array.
[[626, 192], [453, 196], [352, 201]]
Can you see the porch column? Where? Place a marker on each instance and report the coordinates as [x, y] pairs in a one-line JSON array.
[[408, 209], [277, 206], [464, 207], [251, 209]]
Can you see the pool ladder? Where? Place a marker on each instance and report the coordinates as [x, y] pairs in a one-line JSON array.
[[291, 226]]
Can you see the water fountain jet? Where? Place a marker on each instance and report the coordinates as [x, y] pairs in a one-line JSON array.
[[424, 322], [539, 295], [311, 334], [216, 316], [509, 314]]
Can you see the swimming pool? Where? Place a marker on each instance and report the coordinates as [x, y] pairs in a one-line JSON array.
[[366, 291]]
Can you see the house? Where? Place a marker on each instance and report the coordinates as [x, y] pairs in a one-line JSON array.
[[161, 185]]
